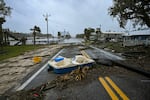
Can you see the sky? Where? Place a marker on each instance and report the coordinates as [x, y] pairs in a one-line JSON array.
[[68, 15]]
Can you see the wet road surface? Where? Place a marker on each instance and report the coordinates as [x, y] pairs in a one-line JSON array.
[[106, 54], [134, 87]]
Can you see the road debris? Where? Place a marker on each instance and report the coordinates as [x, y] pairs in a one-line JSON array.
[[36, 59], [60, 82], [75, 75]]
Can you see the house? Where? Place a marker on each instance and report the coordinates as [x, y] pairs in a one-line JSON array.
[[137, 38], [111, 36], [97, 34], [106, 36]]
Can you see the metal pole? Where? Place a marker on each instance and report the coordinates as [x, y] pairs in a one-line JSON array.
[[47, 30], [53, 35], [64, 33]]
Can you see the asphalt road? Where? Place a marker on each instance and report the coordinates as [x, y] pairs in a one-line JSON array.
[[131, 87]]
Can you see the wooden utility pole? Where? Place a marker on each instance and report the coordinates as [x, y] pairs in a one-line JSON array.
[[46, 19], [2, 20]]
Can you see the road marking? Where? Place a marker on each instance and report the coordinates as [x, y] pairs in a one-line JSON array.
[[108, 89], [118, 90], [85, 54], [34, 75]]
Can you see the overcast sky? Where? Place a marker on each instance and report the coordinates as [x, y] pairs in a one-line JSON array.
[[71, 15]]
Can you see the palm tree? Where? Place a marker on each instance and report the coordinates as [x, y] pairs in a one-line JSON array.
[[4, 11], [35, 30], [59, 34], [85, 33]]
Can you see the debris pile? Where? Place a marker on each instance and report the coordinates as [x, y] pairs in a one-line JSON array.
[[80, 73], [60, 82]]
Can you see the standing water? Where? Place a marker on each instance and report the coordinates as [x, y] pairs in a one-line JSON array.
[[51, 40]]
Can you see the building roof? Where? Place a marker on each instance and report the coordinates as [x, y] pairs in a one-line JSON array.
[[121, 33], [139, 33]]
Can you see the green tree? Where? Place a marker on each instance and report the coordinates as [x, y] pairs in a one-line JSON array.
[[59, 34], [88, 31], [98, 32], [80, 36], [35, 30], [91, 30], [138, 11], [4, 11]]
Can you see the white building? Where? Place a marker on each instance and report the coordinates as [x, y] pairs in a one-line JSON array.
[[137, 38]]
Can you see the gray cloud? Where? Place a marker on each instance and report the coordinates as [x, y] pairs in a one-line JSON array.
[[72, 15]]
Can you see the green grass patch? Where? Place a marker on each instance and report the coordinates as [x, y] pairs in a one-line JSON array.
[[12, 51]]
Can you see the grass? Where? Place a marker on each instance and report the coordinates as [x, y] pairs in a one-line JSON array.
[[12, 51]]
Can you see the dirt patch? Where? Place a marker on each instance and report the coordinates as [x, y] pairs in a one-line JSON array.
[[140, 56], [15, 69]]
